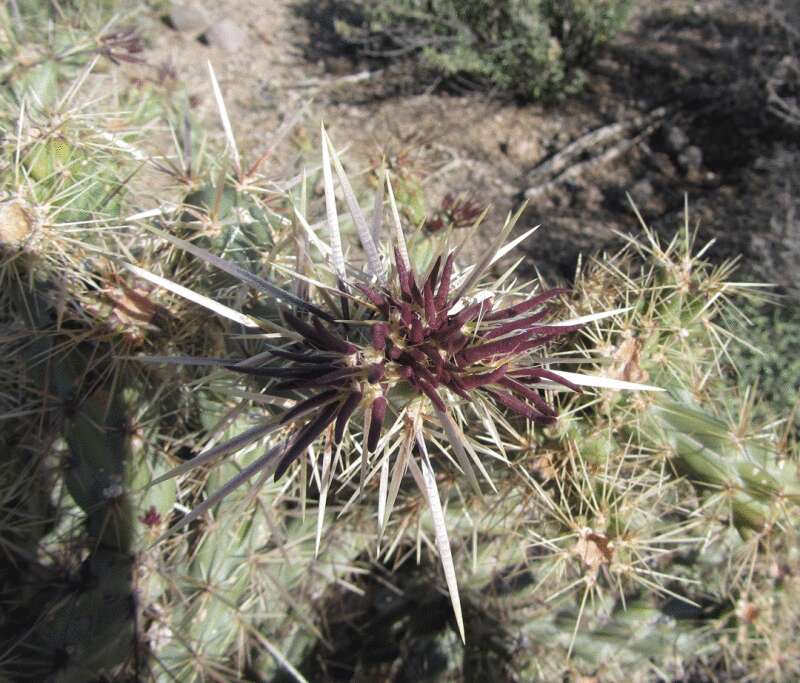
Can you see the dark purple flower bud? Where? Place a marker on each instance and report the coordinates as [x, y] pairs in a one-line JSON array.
[[500, 347], [456, 342], [301, 327], [462, 317], [432, 394], [377, 417], [406, 372], [406, 314], [375, 298], [434, 274], [525, 306], [553, 330], [423, 373], [434, 224], [471, 312], [535, 339], [416, 335], [294, 372], [531, 394], [335, 377], [445, 334], [515, 325], [300, 357], [463, 212], [431, 314], [541, 373], [403, 275], [306, 437], [519, 407], [475, 381], [333, 340], [345, 413], [376, 373], [456, 385], [151, 518], [325, 339], [416, 295], [379, 332], [434, 356], [415, 354], [444, 284], [309, 404]]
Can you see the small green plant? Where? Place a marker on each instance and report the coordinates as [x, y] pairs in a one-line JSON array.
[[773, 364], [530, 48]]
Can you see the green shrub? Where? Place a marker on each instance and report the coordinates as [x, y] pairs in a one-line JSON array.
[[530, 48], [775, 367]]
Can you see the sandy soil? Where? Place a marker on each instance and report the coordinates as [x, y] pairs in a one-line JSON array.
[[701, 60]]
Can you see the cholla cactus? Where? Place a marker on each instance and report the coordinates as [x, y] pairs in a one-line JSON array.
[[628, 537], [661, 525], [642, 536], [411, 348]]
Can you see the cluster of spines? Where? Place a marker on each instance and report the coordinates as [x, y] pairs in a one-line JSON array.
[[414, 339]]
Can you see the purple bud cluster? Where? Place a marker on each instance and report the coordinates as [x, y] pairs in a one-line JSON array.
[[417, 339]]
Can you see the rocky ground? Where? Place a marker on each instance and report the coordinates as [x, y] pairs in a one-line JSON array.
[[686, 83]]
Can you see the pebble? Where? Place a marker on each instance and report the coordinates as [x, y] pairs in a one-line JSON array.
[[663, 164], [226, 35], [562, 138], [188, 19], [642, 191], [691, 159], [676, 139], [339, 66], [762, 164], [592, 196]]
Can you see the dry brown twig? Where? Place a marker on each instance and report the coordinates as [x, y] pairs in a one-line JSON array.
[[613, 140]]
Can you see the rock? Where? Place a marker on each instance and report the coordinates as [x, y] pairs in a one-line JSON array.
[[524, 151], [762, 164], [676, 139], [562, 138], [642, 192], [188, 19], [663, 164], [226, 35], [591, 196], [691, 160], [339, 66]]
